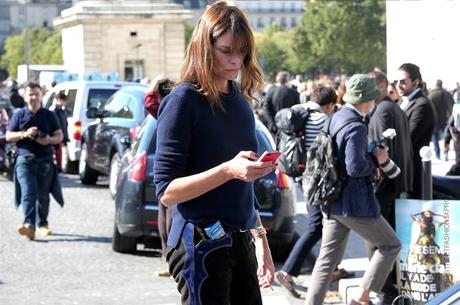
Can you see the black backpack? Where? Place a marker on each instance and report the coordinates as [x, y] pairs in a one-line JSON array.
[[322, 179], [290, 139]]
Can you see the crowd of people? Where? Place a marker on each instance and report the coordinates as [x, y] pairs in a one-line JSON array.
[[417, 115]]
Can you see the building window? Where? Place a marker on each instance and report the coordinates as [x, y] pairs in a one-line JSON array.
[[272, 20], [283, 22], [260, 22], [134, 70], [293, 22]]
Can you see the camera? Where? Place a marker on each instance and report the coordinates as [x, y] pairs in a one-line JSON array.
[[390, 169], [165, 88]]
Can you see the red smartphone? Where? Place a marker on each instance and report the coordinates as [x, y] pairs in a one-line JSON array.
[[269, 156]]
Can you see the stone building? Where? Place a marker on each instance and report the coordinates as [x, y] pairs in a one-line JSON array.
[[133, 38], [261, 13]]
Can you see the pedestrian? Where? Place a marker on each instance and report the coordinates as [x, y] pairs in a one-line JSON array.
[[386, 115], [443, 103], [393, 93], [453, 132], [322, 104], [35, 130], [422, 117], [16, 100], [206, 162], [62, 113], [279, 97], [160, 87], [357, 208]]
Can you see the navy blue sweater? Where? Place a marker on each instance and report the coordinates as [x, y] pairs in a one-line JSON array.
[[192, 138]]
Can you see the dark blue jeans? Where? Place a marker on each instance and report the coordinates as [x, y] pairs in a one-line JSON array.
[[212, 272], [438, 133], [306, 242], [35, 176]]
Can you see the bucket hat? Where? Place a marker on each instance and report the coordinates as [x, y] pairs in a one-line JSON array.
[[361, 88]]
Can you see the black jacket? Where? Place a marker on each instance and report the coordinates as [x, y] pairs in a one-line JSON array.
[[422, 120], [389, 115], [443, 103], [277, 98], [62, 115]]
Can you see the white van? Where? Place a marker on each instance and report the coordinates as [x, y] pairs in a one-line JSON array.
[[81, 95]]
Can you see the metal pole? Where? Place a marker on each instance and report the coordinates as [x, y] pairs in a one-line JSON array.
[[26, 32], [427, 178]]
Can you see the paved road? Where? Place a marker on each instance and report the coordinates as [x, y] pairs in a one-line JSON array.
[[76, 265]]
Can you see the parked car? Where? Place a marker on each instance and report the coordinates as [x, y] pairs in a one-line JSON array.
[[120, 115], [136, 206], [81, 95]]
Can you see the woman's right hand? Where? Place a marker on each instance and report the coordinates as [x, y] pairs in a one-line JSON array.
[[244, 166]]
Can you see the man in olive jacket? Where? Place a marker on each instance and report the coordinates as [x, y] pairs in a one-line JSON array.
[[422, 117]]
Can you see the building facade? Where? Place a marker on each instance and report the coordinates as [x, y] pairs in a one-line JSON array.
[[134, 38], [287, 14], [37, 13]]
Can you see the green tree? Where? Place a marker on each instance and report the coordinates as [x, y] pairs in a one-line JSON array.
[[188, 31], [341, 36], [45, 47], [273, 50]]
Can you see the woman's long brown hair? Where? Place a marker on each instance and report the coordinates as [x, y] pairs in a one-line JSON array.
[[219, 19]]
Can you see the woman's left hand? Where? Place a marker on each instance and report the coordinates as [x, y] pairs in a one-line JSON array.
[[266, 268]]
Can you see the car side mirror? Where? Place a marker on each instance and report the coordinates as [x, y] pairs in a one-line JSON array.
[[105, 114], [91, 113], [121, 143], [126, 141]]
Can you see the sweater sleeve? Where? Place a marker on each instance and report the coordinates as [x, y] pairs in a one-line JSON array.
[[174, 132], [357, 162]]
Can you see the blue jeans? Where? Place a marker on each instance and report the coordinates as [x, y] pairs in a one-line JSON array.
[[35, 177], [438, 133], [306, 242]]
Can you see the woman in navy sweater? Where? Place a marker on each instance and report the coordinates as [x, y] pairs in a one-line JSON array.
[[205, 165]]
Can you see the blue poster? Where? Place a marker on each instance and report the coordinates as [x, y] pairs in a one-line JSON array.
[[429, 231]]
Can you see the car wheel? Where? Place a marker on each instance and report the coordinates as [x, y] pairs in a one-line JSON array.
[[113, 176], [122, 243], [68, 166], [87, 174]]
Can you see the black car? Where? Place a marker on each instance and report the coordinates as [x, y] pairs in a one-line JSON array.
[[136, 208], [120, 115]]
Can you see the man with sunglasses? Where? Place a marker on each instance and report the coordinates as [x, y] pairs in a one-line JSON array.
[[422, 117], [387, 115]]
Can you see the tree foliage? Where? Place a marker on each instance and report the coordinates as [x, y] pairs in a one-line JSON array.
[[272, 49], [45, 47], [342, 36], [335, 36]]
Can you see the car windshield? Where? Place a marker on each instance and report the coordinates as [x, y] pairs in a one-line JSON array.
[[98, 97]]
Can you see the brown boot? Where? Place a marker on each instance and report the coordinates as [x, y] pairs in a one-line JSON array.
[[288, 284], [27, 231]]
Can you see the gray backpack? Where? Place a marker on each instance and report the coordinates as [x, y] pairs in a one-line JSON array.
[[322, 178]]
